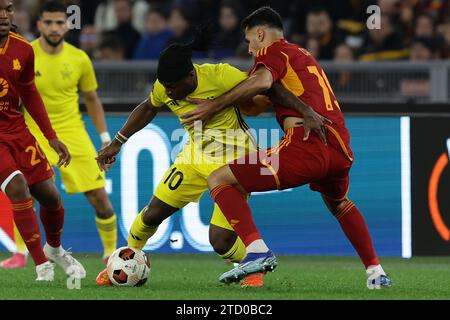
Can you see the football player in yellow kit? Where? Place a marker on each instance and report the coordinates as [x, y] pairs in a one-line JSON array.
[[213, 144], [185, 181]]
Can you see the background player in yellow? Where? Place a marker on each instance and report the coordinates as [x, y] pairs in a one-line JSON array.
[[62, 71]]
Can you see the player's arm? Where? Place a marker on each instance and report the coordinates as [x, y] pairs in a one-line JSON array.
[[311, 119], [260, 81], [97, 114], [255, 106], [88, 86], [35, 106], [142, 115]]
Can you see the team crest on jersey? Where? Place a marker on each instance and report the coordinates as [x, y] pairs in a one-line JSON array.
[[4, 86], [16, 65], [66, 73]]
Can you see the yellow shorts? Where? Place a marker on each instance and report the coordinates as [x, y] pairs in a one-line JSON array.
[[185, 182], [83, 173]]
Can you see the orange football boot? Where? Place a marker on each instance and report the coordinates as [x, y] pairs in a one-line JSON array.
[[253, 280], [103, 279]]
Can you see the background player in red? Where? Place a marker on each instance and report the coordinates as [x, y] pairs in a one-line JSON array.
[[296, 160], [24, 170]]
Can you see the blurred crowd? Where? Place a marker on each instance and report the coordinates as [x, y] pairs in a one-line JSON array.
[[417, 30]]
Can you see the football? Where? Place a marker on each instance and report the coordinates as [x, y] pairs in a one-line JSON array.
[[128, 267]]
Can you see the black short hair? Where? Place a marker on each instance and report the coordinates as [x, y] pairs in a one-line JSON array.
[[175, 63], [53, 6], [264, 16]]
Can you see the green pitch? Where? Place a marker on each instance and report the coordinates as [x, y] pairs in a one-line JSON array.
[[178, 277]]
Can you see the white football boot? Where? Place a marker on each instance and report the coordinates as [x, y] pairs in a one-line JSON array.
[[64, 259], [45, 272], [377, 278]]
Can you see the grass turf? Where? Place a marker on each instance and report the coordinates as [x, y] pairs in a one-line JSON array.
[[179, 277]]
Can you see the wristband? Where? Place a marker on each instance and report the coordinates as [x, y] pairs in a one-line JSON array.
[[105, 137], [119, 139], [121, 136]]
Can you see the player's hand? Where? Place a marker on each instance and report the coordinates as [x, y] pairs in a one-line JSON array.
[[105, 144], [61, 150], [107, 155], [203, 112], [312, 121]]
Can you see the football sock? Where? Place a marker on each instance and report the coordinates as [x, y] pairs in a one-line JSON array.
[[140, 233], [257, 246], [235, 208], [27, 223], [55, 250], [378, 269], [356, 230], [236, 253], [21, 247], [107, 229], [53, 221]]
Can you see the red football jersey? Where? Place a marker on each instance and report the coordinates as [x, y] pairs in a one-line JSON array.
[[298, 71], [17, 77]]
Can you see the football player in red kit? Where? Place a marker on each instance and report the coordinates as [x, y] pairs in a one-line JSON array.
[[297, 159], [24, 170]]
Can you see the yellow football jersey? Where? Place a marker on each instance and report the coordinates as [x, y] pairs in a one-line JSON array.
[[225, 136], [59, 79]]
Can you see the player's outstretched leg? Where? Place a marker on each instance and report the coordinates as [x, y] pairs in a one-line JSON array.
[[16, 189], [355, 228], [52, 217], [233, 203]]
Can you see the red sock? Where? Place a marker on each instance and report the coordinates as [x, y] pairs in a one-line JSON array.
[[356, 230], [53, 221], [235, 208], [28, 226]]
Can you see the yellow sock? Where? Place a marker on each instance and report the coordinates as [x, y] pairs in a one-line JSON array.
[[107, 229], [140, 233], [236, 253], [21, 247]]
